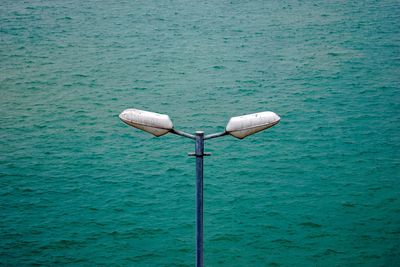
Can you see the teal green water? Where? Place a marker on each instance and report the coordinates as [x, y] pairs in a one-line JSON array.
[[80, 188]]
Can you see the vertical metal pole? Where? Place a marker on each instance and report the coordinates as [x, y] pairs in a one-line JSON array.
[[199, 197]]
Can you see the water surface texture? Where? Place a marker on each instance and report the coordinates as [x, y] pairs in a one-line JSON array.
[[80, 188]]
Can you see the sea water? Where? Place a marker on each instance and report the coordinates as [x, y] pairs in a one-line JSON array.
[[80, 188]]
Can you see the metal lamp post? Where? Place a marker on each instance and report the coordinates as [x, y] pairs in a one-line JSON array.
[[239, 127]]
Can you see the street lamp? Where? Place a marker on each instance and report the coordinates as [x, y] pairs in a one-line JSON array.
[[239, 127]]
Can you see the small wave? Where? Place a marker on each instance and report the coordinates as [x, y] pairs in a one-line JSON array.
[[218, 67], [310, 224]]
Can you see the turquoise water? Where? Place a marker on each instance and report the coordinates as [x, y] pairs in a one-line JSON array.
[[80, 188]]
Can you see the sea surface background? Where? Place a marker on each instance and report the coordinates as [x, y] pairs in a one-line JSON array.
[[80, 188]]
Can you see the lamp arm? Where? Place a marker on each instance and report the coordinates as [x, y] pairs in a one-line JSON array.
[[181, 133], [215, 135]]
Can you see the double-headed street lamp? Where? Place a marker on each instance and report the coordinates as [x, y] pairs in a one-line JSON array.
[[239, 127]]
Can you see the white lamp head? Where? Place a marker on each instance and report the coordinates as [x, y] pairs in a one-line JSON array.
[[246, 125], [154, 123]]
